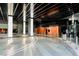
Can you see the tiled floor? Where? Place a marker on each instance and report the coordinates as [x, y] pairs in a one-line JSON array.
[[33, 46]]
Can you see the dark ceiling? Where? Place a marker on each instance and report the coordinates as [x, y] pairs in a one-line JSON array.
[[40, 11]]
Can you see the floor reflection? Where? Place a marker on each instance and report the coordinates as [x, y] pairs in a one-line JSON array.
[[10, 47], [33, 46]]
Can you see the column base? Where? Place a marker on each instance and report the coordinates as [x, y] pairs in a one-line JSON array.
[[31, 35], [24, 35]]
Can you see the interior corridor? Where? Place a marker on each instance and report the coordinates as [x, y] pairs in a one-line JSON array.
[[39, 29]]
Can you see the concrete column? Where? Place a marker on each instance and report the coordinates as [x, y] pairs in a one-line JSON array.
[[10, 26], [31, 20], [76, 41], [24, 19], [67, 30], [19, 28], [72, 17], [10, 20]]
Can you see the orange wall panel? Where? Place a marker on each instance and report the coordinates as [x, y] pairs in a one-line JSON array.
[[53, 31], [42, 30]]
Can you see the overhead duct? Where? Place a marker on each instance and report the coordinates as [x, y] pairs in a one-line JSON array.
[[53, 11]]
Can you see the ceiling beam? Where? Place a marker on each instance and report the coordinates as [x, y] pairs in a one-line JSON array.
[[43, 12], [2, 13], [21, 12], [38, 6], [41, 8], [15, 8]]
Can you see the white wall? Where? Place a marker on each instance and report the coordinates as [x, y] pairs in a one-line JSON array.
[[6, 26]]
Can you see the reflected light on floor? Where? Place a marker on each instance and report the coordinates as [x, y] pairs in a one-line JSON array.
[[10, 51], [10, 48], [10, 40]]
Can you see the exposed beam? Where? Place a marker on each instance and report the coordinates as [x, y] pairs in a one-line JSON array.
[[15, 8], [21, 12], [45, 10], [41, 8], [38, 6], [2, 13]]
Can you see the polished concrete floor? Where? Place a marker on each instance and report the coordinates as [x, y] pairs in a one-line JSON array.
[[34, 46]]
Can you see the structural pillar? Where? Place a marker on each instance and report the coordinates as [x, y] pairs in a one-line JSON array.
[[20, 29], [31, 20], [72, 17], [10, 20], [24, 19]]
